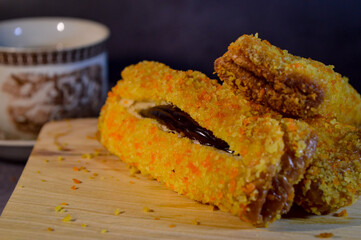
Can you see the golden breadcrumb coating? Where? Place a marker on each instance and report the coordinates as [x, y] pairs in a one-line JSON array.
[[333, 179], [291, 85], [254, 183]]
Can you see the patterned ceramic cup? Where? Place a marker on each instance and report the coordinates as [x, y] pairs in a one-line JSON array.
[[50, 68]]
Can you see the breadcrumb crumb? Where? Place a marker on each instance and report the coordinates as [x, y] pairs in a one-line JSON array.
[[325, 235], [118, 211], [171, 225], [76, 181], [67, 218], [50, 229], [343, 213], [196, 222], [104, 231], [147, 209], [84, 225], [59, 209]]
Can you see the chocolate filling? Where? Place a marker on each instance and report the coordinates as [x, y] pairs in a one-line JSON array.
[[292, 94], [177, 120]]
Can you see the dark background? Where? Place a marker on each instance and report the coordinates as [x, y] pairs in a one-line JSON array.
[[192, 34]]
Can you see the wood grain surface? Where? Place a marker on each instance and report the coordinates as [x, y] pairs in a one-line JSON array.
[[105, 200]]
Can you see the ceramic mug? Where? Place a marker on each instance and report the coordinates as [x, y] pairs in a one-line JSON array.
[[50, 68]]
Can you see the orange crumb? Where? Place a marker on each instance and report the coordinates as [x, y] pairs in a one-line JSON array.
[[156, 218], [95, 174], [64, 204], [76, 169], [43, 180], [325, 235], [50, 229], [343, 213], [73, 187], [46, 160], [171, 225], [76, 181]]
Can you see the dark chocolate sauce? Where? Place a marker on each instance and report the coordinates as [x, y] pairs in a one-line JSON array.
[[180, 122]]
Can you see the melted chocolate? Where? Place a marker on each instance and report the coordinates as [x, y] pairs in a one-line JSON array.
[[180, 122]]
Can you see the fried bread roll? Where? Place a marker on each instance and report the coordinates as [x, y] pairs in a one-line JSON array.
[[333, 178], [202, 141], [291, 85]]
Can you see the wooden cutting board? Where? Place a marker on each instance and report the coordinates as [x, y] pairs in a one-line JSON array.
[[113, 203]]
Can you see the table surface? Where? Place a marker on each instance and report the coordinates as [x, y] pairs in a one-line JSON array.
[[9, 175]]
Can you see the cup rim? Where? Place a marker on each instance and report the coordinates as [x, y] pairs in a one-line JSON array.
[[14, 49]]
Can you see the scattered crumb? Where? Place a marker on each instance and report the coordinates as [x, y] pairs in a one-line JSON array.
[[76, 181], [43, 180], [104, 231], [147, 209], [60, 158], [84, 225], [325, 235], [196, 222], [59, 209], [50, 229], [95, 174], [87, 155], [38, 172], [67, 218], [131, 182], [76, 169], [74, 187], [171, 225], [118, 211], [64, 204], [46, 160], [343, 213], [156, 218], [21, 186]]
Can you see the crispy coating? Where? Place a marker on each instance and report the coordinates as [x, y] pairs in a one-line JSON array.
[[291, 85], [255, 183], [333, 178]]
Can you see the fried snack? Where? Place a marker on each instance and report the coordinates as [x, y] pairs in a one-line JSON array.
[[291, 85], [333, 179], [204, 142]]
